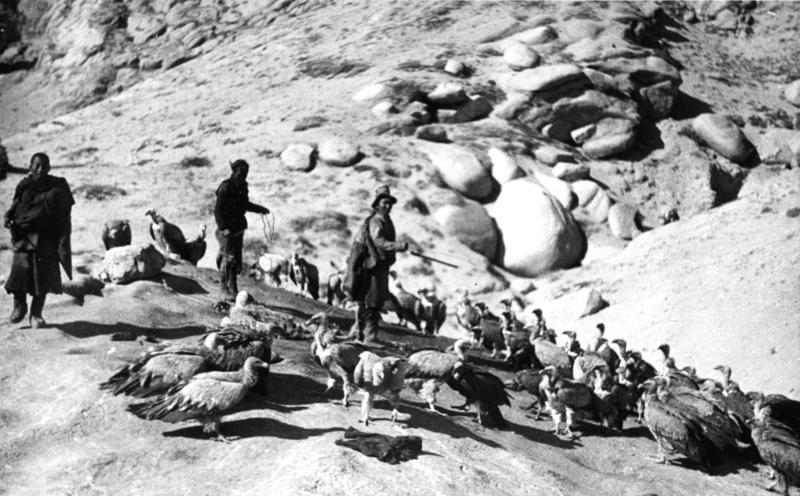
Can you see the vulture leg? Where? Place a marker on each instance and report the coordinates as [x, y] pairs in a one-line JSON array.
[[538, 407], [568, 429], [394, 399], [779, 484], [556, 420], [428, 393], [366, 406], [640, 411], [662, 454], [211, 427]]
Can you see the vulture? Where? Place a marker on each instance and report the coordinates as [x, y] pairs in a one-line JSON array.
[[428, 370], [158, 371], [776, 435], [304, 275], [338, 359], [489, 331], [382, 376], [204, 397], [483, 388], [677, 378], [467, 315], [564, 398], [335, 293], [530, 380], [407, 306], [550, 354], [167, 236], [435, 311], [196, 248], [116, 233], [236, 343], [584, 367], [689, 425], [572, 346]]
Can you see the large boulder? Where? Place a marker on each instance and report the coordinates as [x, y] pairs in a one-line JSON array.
[[473, 109], [792, 93], [338, 152], [593, 201], [461, 170], [537, 233], [545, 77], [622, 219], [536, 36], [721, 134], [471, 225], [129, 263], [558, 188], [504, 167], [299, 156], [519, 56], [570, 172]]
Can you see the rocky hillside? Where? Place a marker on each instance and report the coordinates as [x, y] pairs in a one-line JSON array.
[[640, 155]]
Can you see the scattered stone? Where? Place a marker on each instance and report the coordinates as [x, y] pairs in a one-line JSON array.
[[446, 116], [372, 93], [582, 134], [504, 167], [338, 152], [511, 106], [793, 212], [545, 77], [592, 300], [299, 156], [536, 36], [447, 95], [622, 219], [461, 170], [142, 28], [551, 155], [537, 234], [383, 109], [558, 189], [519, 56], [792, 93], [476, 108], [455, 67], [608, 146], [593, 201], [657, 100], [570, 172], [471, 225], [124, 264], [721, 134], [432, 132]]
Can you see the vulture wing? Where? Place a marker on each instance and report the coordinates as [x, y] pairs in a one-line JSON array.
[[784, 410], [674, 429], [778, 445], [488, 388], [159, 371], [431, 364], [202, 396], [551, 354], [238, 345], [575, 395], [174, 238], [584, 365]]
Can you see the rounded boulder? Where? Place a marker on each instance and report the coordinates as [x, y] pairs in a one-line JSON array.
[[461, 170], [338, 152], [792, 93], [536, 233], [721, 134], [471, 225], [299, 156], [519, 56]]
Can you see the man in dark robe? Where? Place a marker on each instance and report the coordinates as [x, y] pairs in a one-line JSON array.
[[232, 203], [373, 253], [39, 221]]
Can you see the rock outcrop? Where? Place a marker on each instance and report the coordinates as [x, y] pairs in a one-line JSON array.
[[128, 263]]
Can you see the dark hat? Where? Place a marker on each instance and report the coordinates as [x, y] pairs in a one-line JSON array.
[[383, 192], [601, 326], [537, 312]]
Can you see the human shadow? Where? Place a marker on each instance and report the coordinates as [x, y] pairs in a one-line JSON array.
[[180, 284], [422, 419], [84, 329], [295, 389], [254, 427]]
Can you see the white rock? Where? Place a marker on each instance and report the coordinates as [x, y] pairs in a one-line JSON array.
[[124, 264], [536, 36], [471, 225], [383, 109], [622, 220], [338, 152], [519, 56], [545, 77], [570, 172], [447, 94], [537, 233], [460, 169], [299, 156], [582, 134], [372, 93], [455, 67], [551, 155], [792, 93], [593, 201], [558, 189], [504, 167], [511, 105], [721, 134], [608, 146]]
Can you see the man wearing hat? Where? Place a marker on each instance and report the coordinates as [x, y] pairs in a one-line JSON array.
[[232, 203], [373, 253]]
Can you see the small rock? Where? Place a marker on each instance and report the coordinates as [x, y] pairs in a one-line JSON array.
[[571, 172], [373, 92], [383, 109], [455, 67], [608, 146], [432, 132], [551, 155], [299, 156], [582, 134], [519, 56], [792, 93], [536, 36], [622, 220], [504, 167], [723, 136], [446, 116], [476, 108], [511, 106], [447, 94], [593, 201], [594, 302], [545, 77], [338, 152]]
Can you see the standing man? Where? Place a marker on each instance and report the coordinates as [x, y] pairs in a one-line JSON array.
[[373, 253], [232, 203], [39, 221]]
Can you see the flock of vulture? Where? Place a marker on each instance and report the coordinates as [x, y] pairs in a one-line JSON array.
[[169, 237], [705, 420]]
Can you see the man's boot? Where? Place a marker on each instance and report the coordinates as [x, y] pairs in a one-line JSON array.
[[20, 308], [372, 319], [37, 305]]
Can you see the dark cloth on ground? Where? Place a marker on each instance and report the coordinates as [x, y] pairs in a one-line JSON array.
[[387, 449], [39, 219]]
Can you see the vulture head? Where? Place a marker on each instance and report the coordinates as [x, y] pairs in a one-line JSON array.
[[460, 370], [664, 349], [202, 232], [153, 215]]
